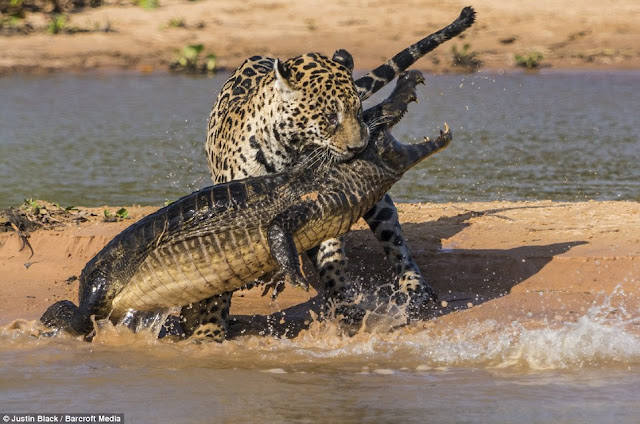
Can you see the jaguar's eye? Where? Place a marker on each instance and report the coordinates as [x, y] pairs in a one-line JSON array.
[[332, 119]]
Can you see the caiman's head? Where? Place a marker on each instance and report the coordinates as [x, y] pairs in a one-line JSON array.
[[397, 158], [383, 148]]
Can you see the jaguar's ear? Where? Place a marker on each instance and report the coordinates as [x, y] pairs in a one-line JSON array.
[[344, 58], [283, 76]]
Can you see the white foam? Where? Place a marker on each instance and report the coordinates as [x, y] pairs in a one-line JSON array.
[[605, 336], [275, 371]]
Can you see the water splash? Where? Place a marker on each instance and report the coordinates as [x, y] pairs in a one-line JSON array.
[[607, 335]]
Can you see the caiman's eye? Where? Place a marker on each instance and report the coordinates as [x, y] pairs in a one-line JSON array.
[[332, 119]]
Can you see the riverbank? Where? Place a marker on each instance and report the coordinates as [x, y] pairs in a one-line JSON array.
[[537, 263], [127, 37]]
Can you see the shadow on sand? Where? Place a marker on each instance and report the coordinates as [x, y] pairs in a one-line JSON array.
[[459, 275]]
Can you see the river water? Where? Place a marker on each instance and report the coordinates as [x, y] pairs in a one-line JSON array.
[[124, 139], [480, 372]]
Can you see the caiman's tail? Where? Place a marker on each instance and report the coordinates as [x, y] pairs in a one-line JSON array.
[[405, 156], [65, 315]]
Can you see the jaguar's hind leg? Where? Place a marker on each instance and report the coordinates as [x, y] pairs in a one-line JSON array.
[[383, 221], [331, 262], [207, 320]]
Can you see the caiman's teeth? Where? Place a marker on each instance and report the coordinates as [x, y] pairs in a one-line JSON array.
[[446, 127], [426, 139]]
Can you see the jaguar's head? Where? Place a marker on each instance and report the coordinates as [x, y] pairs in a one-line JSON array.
[[319, 105]]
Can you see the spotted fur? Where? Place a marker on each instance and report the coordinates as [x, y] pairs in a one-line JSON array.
[[268, 110]]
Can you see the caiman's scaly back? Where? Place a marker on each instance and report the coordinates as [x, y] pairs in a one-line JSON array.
[[225, 236]]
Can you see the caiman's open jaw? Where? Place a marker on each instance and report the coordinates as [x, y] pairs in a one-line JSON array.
[[443, 133]]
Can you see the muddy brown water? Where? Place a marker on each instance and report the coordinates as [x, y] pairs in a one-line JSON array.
[[124, 138], [584, 371]]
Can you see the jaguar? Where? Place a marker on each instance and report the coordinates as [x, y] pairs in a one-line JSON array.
[[267, 112]]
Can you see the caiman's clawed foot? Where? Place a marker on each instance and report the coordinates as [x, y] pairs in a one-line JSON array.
[[276, 286], [296, 279], [392, 109], [281, 279]]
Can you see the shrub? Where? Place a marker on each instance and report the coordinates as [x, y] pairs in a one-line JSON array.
[[465, 58], [529, 61]]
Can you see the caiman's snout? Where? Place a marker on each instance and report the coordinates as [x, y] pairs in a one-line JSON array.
[[403, 157]]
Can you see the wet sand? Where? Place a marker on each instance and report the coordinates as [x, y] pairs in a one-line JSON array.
[[593, 35], [532, 262]]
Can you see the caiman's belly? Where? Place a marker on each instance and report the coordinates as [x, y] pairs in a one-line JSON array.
[[198, 268], [195, 269]]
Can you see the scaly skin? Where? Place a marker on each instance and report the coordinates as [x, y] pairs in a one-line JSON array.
[[225, 236], [244, 141]]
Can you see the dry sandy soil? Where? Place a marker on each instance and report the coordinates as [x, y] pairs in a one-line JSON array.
[[532, 262], [588, 35]]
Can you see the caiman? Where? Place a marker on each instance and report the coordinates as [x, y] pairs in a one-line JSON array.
[[225, 236]]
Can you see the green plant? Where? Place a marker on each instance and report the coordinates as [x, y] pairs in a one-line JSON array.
[[119, 215], [529, 61], [149, 4], [67, 209], [56, 24], [189, 61], [210, 63], [189, 55], [176, 23], [15, 9], [465, 58], [9, 21], [122, 214], [33, 204]]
